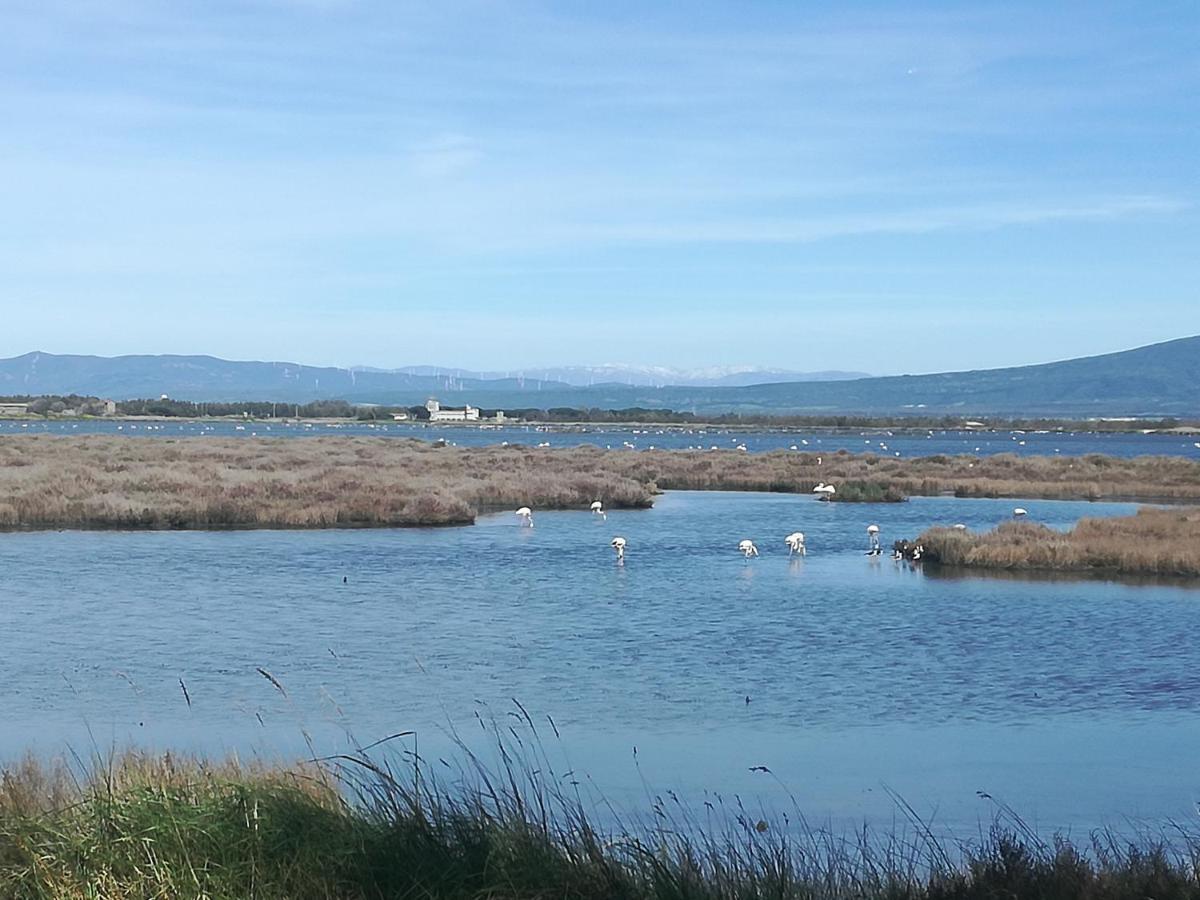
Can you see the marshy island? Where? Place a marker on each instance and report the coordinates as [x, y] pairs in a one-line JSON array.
[[104, 482]]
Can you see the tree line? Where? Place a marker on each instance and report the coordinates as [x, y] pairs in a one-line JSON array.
[[57, 404]]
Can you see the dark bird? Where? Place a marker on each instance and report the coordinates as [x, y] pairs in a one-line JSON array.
[[760, 769]]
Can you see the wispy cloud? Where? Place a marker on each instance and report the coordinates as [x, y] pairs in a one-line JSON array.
[[264, 149]]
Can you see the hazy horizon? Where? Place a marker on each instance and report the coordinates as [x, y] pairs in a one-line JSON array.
[[512, 186]]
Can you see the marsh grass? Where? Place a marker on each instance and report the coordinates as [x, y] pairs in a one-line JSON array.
[[360, 826], [122, 482], [867, 492], [1153, 542]]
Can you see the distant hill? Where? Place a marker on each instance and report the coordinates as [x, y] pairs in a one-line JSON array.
[[642, 376], [1158, 380], [209, 378]]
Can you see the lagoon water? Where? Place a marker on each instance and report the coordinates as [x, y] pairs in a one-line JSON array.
[[882, 442], [1077, 702]]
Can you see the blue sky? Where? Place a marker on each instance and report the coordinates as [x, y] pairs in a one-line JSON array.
[[886, 187]]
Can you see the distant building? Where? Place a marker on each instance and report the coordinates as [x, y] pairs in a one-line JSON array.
[[400, 417], [110, 407], [13, 409], [437, 414]]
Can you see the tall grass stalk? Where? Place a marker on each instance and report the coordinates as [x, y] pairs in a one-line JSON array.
[[388, 825]]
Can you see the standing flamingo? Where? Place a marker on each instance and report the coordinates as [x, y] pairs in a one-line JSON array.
[[748, 549], [795, 543], [526, 515], [876, 548]]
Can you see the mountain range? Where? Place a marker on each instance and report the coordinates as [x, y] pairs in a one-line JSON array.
[[636, 376], [1156, 380]]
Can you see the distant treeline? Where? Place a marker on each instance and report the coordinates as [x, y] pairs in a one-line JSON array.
[[342, 409], [257, 409], [59, 404]]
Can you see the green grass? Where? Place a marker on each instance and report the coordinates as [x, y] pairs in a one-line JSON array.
[[355, 827]]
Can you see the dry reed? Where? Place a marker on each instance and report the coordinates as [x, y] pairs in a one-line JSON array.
[[1152, 542], [119, 482]]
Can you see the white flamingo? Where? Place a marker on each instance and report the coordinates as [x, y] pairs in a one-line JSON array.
[[598, 509], [876, 549], [825, 490], [618, 544], [795, 543], [748, 549], [1020, 512], [526, 515]]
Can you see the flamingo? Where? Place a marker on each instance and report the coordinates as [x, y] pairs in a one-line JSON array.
[[526, 515], [795, 543], [618, 544], [1019, 512], [748, 549], [960, 527], [825, 490], [876, 549], [598, 509]]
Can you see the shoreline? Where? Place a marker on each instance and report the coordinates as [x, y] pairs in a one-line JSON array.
[[883, 426]]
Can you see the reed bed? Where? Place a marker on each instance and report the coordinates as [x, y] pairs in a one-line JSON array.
[[280, 483], [121, 482], [360, 828], [1152, 542]]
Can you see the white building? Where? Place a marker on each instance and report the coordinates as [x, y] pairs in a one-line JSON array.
[[437, 414]]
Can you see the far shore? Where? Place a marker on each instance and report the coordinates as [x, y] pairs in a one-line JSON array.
[[330, 481], [780, 425]]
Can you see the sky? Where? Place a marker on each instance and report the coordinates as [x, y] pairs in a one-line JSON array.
[[878, 187]]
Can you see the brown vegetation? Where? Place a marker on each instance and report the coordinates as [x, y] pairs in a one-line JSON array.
[[104, 482], [1153, 542], [122, 482]]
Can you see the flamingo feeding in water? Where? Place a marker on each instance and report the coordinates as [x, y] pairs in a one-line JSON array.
[[748, 549], [795, 543], [825, 490], [873, 532], [526, 515], [618, 544], [598, 509]]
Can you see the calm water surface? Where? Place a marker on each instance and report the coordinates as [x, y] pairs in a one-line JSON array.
[[1077, 702], [885, 443]]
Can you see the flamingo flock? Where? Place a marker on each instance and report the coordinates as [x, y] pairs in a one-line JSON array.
[[794, 542]]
